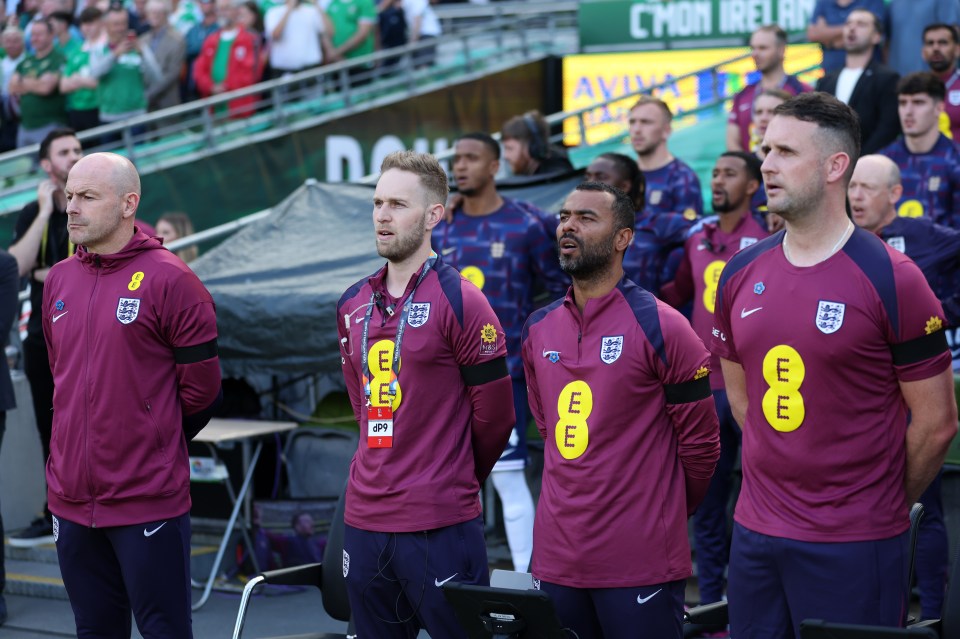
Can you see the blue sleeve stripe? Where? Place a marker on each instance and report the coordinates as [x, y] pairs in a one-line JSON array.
[[644, 307], [449, 279], [869, 253], [742, 259], [349, 294], [537, 316]]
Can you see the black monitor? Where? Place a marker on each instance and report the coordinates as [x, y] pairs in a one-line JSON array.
[[502, 613], [817, 629]]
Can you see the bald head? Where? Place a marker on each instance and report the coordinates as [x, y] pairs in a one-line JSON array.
[[117, 171], [874, 191], [103, 192], [880, 167]]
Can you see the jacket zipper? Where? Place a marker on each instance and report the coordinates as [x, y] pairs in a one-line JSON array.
[[86, 413]]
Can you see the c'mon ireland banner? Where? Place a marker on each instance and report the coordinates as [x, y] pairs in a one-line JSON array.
[[595, 78]]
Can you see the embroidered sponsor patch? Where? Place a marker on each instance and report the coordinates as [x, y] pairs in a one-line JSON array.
[[488, 339]]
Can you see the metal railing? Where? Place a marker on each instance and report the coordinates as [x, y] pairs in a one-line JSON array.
[[553, 119], [272, 109]]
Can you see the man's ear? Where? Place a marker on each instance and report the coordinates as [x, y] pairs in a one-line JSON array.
[[130, 203], [434, 215]]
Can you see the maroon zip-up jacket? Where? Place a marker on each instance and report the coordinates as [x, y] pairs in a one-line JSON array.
[[131, 338]]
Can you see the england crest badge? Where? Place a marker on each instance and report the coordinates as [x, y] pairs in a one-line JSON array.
[[898, 243], [419, 314], [128, 309], [830, 316], [610, 349]]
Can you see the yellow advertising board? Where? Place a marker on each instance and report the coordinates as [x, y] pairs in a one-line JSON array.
[[595, 78]]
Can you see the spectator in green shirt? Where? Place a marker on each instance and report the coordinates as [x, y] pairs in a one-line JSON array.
[[77, 81], [353, 25], [124, 68], [35, 82]]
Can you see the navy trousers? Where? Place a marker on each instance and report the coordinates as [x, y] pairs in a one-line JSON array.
[[109, 572], [615, 613], [775, 583], [394, 579]]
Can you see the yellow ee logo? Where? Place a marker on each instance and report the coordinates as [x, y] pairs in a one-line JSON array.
[[783, 370], [943, 123], [711, 277], [380, 357], [910, 208], [474, 276], [135, 281], [574, 406]]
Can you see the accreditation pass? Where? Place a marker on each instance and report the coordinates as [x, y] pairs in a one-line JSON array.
[[379, 427]]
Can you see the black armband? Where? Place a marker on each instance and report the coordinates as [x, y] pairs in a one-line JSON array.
[[919, 349], [196, 353], [687, 392], [480, 374]]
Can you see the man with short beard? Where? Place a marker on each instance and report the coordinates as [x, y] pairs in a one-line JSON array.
[[941, 47], [620, 391], [424, 361], [736, 178], [830, 342]]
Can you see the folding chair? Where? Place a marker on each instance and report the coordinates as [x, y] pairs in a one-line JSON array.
[[327, 576]]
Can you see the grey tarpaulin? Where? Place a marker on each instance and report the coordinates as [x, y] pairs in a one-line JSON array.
[[276, 282]]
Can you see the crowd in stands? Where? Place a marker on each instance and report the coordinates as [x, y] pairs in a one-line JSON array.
[[85, 63]]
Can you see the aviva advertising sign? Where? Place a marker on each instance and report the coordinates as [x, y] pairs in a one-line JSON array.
[[601, 77], [657, 24]]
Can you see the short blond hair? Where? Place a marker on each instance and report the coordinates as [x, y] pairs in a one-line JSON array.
[[432, 176], [649, 99]]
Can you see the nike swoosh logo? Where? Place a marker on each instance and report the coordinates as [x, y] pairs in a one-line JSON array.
[[439, 583], [358, 320], [643, 600], [448, 251], [701, 247], [744, 312], [150, 533], [56, 317]]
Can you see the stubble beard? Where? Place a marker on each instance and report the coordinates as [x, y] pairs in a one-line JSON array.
[[591, 261], [405, 245]]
